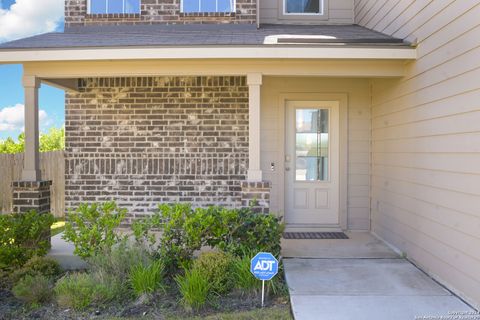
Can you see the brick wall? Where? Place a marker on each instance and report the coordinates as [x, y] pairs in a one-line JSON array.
[[158, 11], [143, 141], [256, 195], [31, 195]]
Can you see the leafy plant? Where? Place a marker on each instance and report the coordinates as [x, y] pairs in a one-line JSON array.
[[215, 267], [23, 236], [38, 266], [81, 290], [119, 260], [243, 279], [91, 228], [249, 231], [53, 140], [147, 279], [185, 230], [33, 289], [194, 288], [177, 243]]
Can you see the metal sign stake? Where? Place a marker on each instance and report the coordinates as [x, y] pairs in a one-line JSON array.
[[263, 292]]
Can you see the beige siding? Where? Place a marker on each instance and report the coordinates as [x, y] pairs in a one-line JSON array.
[[340, 12], [359, 129], [426, 139]]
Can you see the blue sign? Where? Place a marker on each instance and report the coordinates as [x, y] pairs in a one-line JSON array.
[[264, 266]]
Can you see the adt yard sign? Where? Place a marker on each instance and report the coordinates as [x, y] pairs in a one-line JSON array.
[[264, 266]]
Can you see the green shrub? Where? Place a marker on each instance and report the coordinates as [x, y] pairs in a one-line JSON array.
[[177, 243], [91, 228], [194, 288], [22, 236], [249, 231], [186, 230], [38, 266], [81, 290], [116, 288], [147, 279], [216, 268], [33, 289], [119, 259], [243, 279], [113, 266]]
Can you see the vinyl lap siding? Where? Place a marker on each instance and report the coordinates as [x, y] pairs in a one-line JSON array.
[[426, 139], [340, 12]]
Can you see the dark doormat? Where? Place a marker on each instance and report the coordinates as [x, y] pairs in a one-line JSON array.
[[314, 235]]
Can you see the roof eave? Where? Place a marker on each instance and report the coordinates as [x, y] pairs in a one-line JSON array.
[[208, 52]]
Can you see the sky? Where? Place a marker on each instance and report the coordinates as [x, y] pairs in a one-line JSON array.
[[20, 19]]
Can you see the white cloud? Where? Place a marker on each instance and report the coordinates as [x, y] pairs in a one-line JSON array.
[[29, 17], [12, 118]]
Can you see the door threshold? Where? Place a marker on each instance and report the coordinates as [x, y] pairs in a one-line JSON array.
[[313, 229]]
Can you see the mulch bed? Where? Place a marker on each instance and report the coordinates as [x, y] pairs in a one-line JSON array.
[[157, 307]]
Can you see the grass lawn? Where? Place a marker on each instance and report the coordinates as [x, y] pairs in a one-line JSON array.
[[274, 313], [270, 313]]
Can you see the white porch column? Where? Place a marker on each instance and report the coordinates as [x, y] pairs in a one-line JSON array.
[[254, 81], [31, 165]]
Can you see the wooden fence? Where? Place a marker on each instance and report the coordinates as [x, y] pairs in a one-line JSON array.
[[52, 165]]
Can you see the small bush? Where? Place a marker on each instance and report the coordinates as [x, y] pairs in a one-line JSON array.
[[178, 243], [38, 266], [81, 290], [215, 267], [33, 289], [116, 288], [249, 231], [119, 260], [147, 279], [194, 288], [91, 228], [243, 279], [186, 230], [22, 236]]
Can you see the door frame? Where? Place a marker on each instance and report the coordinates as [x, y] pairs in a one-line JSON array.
[[342, 99]]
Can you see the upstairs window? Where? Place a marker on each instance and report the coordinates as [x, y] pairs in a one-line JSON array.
[[113, 6], [303, 7], [204, 6]]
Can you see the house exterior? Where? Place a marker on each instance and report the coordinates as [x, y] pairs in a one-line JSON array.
[[337, 115]]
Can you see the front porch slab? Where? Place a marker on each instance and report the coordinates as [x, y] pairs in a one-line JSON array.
[[359, 245], [360, 278]]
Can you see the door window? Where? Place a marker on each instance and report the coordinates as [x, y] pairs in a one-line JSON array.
[[311, 144]]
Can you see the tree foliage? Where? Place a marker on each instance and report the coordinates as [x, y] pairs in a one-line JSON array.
[[52, 141]]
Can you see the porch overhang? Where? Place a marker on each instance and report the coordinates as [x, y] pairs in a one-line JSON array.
[[341, 52]]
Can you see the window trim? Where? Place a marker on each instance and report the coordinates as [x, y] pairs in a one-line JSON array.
[[89, 8], [234, 6], [323, 15]]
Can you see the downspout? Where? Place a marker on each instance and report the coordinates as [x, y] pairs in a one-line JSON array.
[[258, 14]]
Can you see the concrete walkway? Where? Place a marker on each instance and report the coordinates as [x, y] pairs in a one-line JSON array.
[[360, 278], [62, 252]]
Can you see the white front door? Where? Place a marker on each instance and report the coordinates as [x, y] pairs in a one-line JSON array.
[[312, 163]]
